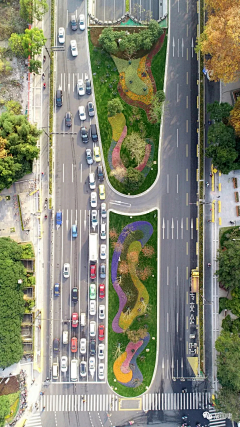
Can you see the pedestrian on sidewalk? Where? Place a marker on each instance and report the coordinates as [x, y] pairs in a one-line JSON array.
[[211, 175]]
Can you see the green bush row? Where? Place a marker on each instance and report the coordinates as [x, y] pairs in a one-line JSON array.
[[20, 212], [51, 98]]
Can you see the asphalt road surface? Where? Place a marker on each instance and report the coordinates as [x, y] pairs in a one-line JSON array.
[[143, 10]]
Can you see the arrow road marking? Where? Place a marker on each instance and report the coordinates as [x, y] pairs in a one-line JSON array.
[[191, 228], [172, 226], [182, 228], [182, 47]]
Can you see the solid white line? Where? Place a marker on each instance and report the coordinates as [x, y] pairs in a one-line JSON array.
[[177, 183], [178, 48], [81, 173], [178, 6], [73, 83], [69, 83], [177, 90], [177, 229], [167, 322], [167, 183], [177, 323], [72, 172], [63, 172], [167, 275], [177, 138], [177, 276]]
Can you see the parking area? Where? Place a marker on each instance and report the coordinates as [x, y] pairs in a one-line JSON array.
[[143, 10]]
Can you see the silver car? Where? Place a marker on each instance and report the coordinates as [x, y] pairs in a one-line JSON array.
[[66, 270], [89, 156], [64, 364]]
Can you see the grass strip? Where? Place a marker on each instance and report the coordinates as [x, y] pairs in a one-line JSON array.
[[20, 212]]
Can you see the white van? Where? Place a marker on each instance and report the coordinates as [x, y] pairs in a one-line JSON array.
[[83, 319], [74, 370], [65, 337], [92, 183], [92, 328], [55, 369], [103, 234]]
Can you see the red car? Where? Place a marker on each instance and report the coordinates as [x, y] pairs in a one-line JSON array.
[[101, 290], [74, 345], [74, 320], [93, 270], [101, 330]]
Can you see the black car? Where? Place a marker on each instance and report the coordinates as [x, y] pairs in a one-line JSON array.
[[84, 134], [88, 87], [56, 343], [94, 134], [59, 98], [74, 294], [92, 347], [68, 119], [100, 173], [73, 23]]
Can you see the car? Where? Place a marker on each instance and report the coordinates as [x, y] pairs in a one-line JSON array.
[[100, 173], [101, 312], [93, 132], [90, 109], [92, 347], [61, 35], [68, 119], [103, 233], [83, 345], [59, 98], [73, 23], [74, 230], [103, 210], [74, 345], [74, 50], [89, 156], [56, 289], [82, 22], [74, 320], [101, 371], [56, 345], [64, 363], [101, 351], [74, 295], [101, 290], [92, 308], [93, 273], [84, 134], [102, 271], [92, 365], [94, 218], [81, 112], [88, 87], [101, 332], [80, 87], [66, 270], [92, 290], [103, 251], [96, 154], [59, 219], [93, 199], [83, 368], [91, 180], [101, 189]]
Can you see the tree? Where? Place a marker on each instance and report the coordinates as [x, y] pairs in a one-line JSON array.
[[133, 180], [235, 117], [222, 147], [15, 43], [228, 401], [107, 40], [229, 265], [219, 111], [4, 409], [157, 106], [114, 107], [35, 66], [14, 107], [30, 10], [228, 361], [29, 43], [21, 140], [135, 146]]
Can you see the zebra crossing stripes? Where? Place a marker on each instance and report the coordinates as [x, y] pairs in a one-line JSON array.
[[34, 420], [217, 418], [110, 402]]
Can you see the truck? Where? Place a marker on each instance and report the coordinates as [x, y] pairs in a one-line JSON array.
[[195, 280], [93, 247]]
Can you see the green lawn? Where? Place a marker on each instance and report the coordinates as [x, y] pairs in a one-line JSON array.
[[105, 86], [118, 222]]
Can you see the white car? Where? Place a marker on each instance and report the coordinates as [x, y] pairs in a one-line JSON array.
[[94, 219], [92, 182], [80, 87], [83, 345], [103, 233], [61, 35], [103, 250], [92, 309], [101, 351], [64, 363], [73, 45], [92, 366], [66, 270], [102, 311], [81, 112], [103, 210], [101, 371], [93, 199], [82, 22]]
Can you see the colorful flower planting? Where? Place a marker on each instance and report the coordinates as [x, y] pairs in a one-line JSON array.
[[117, 122], [131, 256]]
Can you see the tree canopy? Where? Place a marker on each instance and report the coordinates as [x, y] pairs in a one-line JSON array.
[[228, 360], [11, 301], [157, 106], [20, 139], [235, 117], [30, 10], [29, 43], [4, 409], [114, 107], [229, 265], [135, 145], [219, 111], [133, 179]]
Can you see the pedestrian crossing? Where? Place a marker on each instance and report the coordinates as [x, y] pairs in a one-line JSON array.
[[111, 402], [218, 419], [34, 420], [68, 81]]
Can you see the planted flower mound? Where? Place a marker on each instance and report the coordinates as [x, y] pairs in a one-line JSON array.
[[131, 269]]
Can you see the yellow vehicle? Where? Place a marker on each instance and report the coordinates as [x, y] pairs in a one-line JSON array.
[[195, 280]]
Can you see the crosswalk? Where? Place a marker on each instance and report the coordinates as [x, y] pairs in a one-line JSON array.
[[111, 402], [217, 420], [68, 81], [34, 420]]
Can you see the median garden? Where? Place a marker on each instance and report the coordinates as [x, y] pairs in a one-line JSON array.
[[132, 311], [128, 74]]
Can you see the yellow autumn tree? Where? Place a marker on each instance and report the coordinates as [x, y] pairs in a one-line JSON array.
[[235, 117], [220, 39], [3, 151]]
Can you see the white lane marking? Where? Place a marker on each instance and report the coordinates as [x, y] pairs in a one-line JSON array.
[[85, 220], [177, 183], [172, 227], [72, 172], [178, 48], [177, 138], [177, 229], [191, 228], [182, 47], [167, 275], [73, 83], [177, 323], [177, 90], [63, 172], [167, 183], [173, 45], [167, 322], [163, 227], [81, 173], [182, 228]]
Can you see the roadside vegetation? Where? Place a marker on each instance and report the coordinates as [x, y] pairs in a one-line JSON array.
[[132, 310], [129, 98]]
